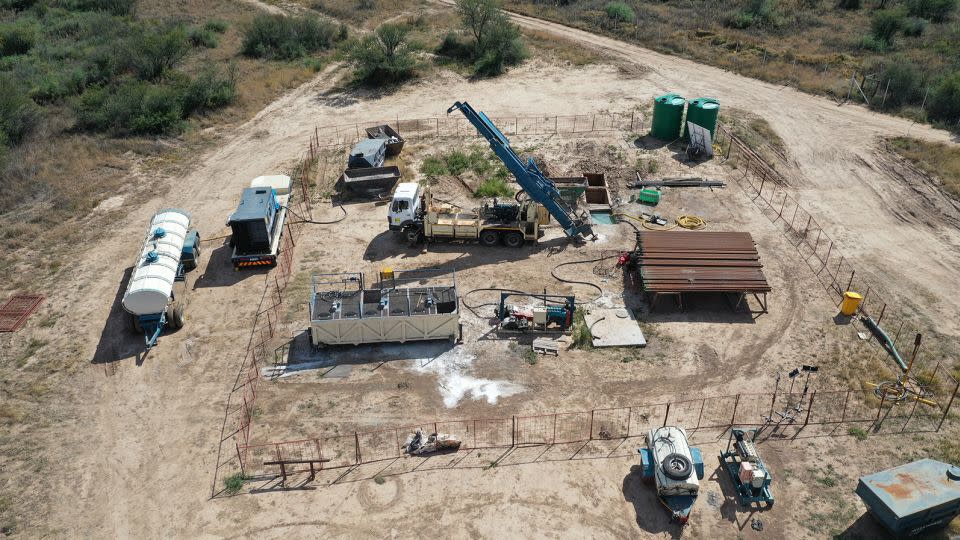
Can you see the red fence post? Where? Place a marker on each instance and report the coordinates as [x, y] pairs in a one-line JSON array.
[[736, 404], [513, 431], [666, 416], [809, 408], [846, 400], [243, 471], [590, 438], [356, 440], [949, 404]]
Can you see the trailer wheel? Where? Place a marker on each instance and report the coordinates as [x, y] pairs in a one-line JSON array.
[[135, 325], [178, 316], [676, 466], [513, 239], [489, 238]]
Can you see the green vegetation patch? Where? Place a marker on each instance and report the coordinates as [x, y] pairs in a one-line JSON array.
[[285, 38], [487, 41]]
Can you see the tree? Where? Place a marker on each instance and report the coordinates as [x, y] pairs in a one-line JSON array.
[[384, 56], [885, 24], [479, 16], [945, 100]]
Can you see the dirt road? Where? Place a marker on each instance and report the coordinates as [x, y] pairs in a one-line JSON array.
[[138, 442]]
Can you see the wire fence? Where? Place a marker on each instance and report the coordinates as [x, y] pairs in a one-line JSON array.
[[766, 186], [795, 410], [459, 126], [834, 270]]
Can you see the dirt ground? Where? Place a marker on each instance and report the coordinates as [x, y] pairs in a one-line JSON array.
[[130, 444]]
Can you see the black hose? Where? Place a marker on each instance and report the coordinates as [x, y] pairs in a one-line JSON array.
[[586, 283], [312, 222]]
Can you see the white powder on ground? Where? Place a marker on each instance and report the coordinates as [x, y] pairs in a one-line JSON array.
[[451, 369]]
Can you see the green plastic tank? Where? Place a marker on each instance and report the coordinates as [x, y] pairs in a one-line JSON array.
[[667, 117], [704, 113]]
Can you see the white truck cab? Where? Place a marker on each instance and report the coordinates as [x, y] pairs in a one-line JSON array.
[[404, 206]]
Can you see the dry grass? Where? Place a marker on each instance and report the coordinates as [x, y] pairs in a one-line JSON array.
[[559, 49], [936, 159]]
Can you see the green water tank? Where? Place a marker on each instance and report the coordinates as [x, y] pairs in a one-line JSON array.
[[667, 117], [704, 113]]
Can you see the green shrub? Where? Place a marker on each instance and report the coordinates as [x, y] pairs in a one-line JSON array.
[[914, 26], [282, 37], [384, 56], [885, 24], [932, 10], [620, 12], [18, 113], [210, 90], [455, 48], [759, 13], [945, 100], [849, 4], [496, 42], [493, 187], [233, 483], [17, 5], [857, 433], [16, 39], [871, 43], [582, 337], [905, 82], [216, 25], [135, 107], [113, 7], [201, 37], [433, 167], [156, 51]]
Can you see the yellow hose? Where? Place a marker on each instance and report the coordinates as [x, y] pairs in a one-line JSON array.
[[691, 222]]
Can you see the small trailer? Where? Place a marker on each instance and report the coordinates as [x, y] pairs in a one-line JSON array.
[[675, 468], [393, 138], [156, 293], [257, 224], [746, 470], [371, 181]]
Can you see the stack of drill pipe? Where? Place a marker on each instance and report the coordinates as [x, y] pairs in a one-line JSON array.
[[680, 261], [675, 182]]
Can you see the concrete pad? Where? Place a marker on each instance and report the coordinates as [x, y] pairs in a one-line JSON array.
[[615, 327]]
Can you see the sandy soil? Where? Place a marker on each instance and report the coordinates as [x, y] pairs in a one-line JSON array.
[[134, 445]]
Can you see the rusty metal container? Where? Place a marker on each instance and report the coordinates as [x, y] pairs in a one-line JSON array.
[[913, 499]]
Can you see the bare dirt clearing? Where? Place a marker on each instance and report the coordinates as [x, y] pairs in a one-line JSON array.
[[133, 446]]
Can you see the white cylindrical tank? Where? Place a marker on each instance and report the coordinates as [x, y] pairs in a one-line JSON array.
[[152, 279]]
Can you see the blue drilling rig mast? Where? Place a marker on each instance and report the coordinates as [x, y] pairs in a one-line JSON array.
[[537, 186]]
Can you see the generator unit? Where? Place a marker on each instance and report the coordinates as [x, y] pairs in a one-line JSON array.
[[367, 153], [555, 314]]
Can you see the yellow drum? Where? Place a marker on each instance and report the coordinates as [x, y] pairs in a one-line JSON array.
[[851, 301]]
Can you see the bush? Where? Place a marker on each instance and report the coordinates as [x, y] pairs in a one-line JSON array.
[[454, 47], [913, 26], [493, 187], [496, 41], [210, 90], [858, 433], [156, 51], [286, 38], [871, 43], [932, 10], [383, 57], [113, 7], [945, 100], [233, 483], [620, 12], [905, 82], [760, 13], [16, 39], [582, 337], [17, 5], [216, 25], [201, 37], [885, 24], [849, 4], [18, 113], [136, 107]]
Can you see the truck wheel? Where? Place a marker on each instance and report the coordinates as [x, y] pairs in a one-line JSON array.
[[676, 466], [413, 236], [135, 325], [513, 239], [489, 238]]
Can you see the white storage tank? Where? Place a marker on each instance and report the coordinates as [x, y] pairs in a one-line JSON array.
[[151, 282]]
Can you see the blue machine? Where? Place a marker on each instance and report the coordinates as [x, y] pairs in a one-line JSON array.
[[529, 176], [749, 475], [914, 498]]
